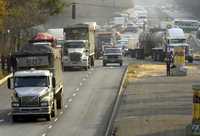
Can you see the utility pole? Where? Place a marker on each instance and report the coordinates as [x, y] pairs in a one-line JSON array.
[[73, 10], [114, 3]]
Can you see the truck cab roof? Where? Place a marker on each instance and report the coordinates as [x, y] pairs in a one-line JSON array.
[[32, 73], [84, 41], [175, 33]]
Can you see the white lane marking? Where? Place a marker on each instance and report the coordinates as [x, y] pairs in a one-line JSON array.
[[44, 134], [50, 126], [84, 79], [81, 84], [70, 100], [87, 75], [66, 106], [92, 69], [1, 120], [77, 89], [74, 94], [9, 113], [61, 113], [56, 119]]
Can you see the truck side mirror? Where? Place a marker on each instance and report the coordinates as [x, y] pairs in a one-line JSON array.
[[87, 52], [53, 82], [9, 83]]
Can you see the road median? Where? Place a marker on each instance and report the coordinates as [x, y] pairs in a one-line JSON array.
[[109, 128], [4, 79]]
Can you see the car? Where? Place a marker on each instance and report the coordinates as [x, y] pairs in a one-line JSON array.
[[112, 55]]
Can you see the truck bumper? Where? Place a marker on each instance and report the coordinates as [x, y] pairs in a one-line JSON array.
[[75, 64], [31, 110], [112, 61]]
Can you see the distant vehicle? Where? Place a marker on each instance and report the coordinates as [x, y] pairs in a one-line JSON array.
[[58, 33], [123, 44], [198, 34], [132, 28], [79, 49], [187, 25], [37, 82], [112, 55], [76, 54], [102, 39], [119, 20], [176, 37]]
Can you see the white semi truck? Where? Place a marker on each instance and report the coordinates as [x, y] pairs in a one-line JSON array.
[[79, 48], [37, 82]]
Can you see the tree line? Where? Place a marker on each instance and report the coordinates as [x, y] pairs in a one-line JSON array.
[[17, 17]]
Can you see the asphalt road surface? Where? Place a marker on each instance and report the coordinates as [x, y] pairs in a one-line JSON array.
[[87, 95]]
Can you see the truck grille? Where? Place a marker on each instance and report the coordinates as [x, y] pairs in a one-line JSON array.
[[29, 101], [113, 56], [75, 56]]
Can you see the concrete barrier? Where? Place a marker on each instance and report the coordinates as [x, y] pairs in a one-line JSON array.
[[116, 104]]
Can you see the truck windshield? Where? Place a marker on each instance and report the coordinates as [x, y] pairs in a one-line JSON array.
[[74, 45], [31, 81], [174, 41], [112, 50], [77, 34]]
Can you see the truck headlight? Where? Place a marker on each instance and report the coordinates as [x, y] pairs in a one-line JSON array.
[[15, 104], [44, 104]]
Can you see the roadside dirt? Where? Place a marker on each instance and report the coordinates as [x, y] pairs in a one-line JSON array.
[[156, 105]]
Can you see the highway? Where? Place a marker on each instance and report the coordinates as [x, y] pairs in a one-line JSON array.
[[88, 96]]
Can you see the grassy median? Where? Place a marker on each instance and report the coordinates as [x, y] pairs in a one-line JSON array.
[[136, 71], [3, 74]]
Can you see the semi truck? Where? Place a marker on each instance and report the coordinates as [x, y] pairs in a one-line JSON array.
[[79, 48], [155, 43], [103, 39], [37, 82]]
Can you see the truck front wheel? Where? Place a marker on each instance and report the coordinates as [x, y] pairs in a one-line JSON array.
[[15, 118], [54, 109], [48, 117], [59, 99]]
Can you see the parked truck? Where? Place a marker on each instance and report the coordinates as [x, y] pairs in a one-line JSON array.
[[37, 82], [155, 42], [79, 48], [103, 39]]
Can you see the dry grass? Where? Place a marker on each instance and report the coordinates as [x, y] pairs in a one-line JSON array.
[[3, 74], [138, 71]]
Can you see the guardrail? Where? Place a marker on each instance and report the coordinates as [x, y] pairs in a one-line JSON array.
[[116, 104]]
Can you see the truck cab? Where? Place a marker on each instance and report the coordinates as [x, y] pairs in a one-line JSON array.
[[36, 84], [33, 93], [76, 54]]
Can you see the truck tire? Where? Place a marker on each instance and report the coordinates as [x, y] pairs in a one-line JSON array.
[[92, 61], [86, 68], [104, 64], [121, 64], [48, 117], [15, 118], [54, 109], [59, 99]]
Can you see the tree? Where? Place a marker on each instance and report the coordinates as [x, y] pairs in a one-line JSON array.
[[3, 13], [18, 16]]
